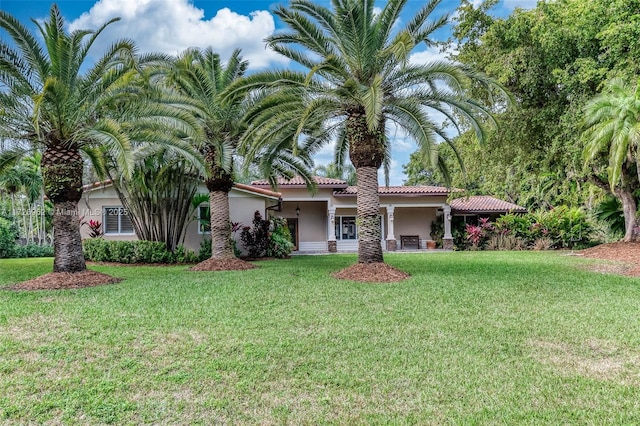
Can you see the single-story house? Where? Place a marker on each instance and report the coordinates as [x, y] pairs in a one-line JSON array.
[[323, 221]]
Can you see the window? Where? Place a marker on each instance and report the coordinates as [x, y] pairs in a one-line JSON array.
[[116, 221], [204, 219], [346, 228]]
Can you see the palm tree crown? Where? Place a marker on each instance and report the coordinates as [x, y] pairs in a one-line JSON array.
[[55, 102], [612, 120], [359, 80]]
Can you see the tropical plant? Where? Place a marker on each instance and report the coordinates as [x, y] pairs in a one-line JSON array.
[[610, 212], [202, 76], [612, 122], [55, 101], [360, 80], [158, 196]]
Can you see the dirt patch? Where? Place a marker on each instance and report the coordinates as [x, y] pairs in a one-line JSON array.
[[231, 264], [66, 281], [596, 359], [629, 253], [371, 273]]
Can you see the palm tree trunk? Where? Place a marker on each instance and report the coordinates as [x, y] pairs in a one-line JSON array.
[[366, 151], [62, 177], [67, 244], [631, 220], [221, 247], [368, 202], [219, 185]]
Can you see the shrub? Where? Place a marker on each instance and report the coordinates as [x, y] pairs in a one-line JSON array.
[[256, 239], [544, 243], [205, 249], [33, 250], [100, 250], [8, 235], [505, 241], [567, 227], [280, 245]]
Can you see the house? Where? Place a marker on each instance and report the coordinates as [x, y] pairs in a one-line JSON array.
[[100, 202], [322, 221]]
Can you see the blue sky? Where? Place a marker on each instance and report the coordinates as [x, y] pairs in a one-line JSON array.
[[172, 25]]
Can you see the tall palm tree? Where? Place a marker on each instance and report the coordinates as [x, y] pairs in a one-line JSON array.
[[54, 101], [612, 122], [202, 76], [359, 81]]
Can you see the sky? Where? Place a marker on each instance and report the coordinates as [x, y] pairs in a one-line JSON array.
[[171, 26]]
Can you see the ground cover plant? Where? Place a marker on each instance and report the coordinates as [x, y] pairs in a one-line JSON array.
[[468, 338]]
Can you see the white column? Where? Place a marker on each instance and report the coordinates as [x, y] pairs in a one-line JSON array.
[[390, 210], [332, 223], [447, 221]]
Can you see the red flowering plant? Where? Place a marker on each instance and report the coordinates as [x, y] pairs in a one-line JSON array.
[[95, 227], [477, 235]]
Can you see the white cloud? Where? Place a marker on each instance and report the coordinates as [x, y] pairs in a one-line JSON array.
[[432, 54], [523, 4], [170, 26]]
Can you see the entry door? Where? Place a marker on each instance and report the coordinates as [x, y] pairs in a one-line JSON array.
[[293, 229]]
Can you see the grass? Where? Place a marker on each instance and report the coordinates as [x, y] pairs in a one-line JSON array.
[[470, 338]]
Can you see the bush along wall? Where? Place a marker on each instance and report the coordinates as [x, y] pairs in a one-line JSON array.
[[559, 228], [101, 250], [268, 237]]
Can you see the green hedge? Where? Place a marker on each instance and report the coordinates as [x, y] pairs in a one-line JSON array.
[[9, 248], [101, 250]]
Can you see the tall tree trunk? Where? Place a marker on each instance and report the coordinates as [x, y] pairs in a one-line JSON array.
[[219, 186], [62, 177], [366, 151], [631, 220], [67, 244], [221, 247], [368, 202]]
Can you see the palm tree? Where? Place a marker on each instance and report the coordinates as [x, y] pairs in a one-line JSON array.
[[201, 76], [612, 122], [55, 102], [359, 81]]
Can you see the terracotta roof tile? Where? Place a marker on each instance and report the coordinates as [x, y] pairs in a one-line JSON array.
[[240, 186], [484, 204], [257, 190], [298, 181], [96, 185], [400, 190]]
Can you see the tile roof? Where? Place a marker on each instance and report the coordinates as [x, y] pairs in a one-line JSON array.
[[298, 181], [257, 190], [484, 204], [95, 185], [400, 190], [240, 186]]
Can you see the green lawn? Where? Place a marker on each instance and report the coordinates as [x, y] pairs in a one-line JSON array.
[[470, 338]]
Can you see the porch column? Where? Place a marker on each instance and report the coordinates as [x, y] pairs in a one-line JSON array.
[[332, 244], [447, 241], [392, 244]]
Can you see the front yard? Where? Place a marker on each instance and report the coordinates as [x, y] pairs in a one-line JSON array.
[[471, 337]]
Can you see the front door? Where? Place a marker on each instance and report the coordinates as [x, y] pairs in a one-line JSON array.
[[293, 229]]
